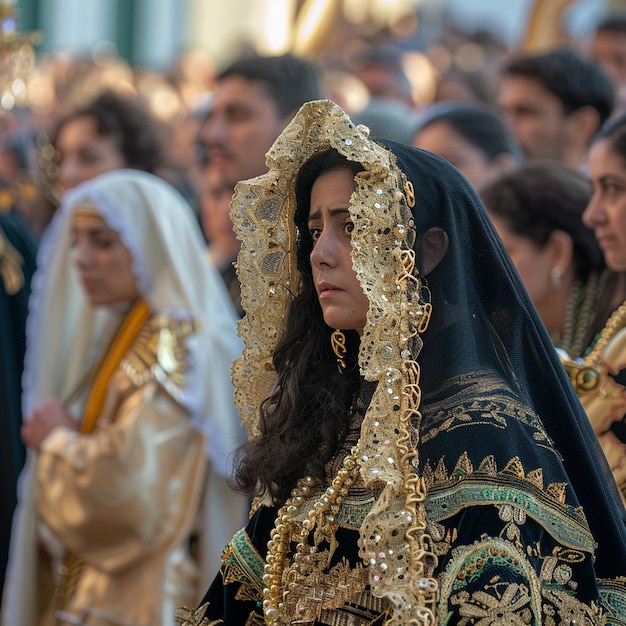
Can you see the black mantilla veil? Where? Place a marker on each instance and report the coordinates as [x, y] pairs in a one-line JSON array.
[[488, 324], [472, 427]]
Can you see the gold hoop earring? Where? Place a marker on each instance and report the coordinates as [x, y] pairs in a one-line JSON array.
[[338, 344]]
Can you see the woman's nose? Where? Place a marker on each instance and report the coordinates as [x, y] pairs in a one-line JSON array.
[[593, 213], [82, 254], [324, 251], [68, 174]]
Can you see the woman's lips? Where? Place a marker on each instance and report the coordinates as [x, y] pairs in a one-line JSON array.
[[326, 290]]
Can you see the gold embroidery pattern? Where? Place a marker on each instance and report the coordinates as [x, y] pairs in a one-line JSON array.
[[313, 591], [516, 492], [159, 353], [254, 619], [459, 407], [496, 600], [195, 617], [364, 610], [507, 606]]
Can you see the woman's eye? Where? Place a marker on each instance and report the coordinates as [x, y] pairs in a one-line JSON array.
[[348, 227], [315, 233]]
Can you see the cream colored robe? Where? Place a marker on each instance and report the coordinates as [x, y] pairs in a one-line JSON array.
[[126, 496], [123, 499]]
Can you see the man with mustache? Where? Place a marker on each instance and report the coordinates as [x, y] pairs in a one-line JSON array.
[[255, 98]]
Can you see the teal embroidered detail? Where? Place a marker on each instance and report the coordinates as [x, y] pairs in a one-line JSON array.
[[613, 600], [249, 560], [354, 508], [565, 524], [471, 594], [353, 512], [500, 600]]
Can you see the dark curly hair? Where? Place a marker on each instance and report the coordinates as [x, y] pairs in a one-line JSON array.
[[127, 120], [289, 80], [303, 421]]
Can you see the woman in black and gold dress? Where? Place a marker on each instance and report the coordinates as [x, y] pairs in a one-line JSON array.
[[417, 456]]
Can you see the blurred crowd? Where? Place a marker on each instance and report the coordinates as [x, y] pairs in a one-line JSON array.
[[540, 136]]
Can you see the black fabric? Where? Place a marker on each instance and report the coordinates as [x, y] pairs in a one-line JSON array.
[[500, 329], [13, 312], [225, 600]]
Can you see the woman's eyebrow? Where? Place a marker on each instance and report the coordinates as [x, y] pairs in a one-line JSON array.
[[318, 214]]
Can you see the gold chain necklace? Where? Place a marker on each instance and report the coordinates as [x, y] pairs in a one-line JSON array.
[[614, 323], [321, 516]]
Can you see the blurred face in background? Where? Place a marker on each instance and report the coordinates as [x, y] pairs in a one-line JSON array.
[[84, 153], [215, 217], [535, 117], [533, 262], [442, 139], [103, 262], [606, 212], [608, 50], [243, 124]]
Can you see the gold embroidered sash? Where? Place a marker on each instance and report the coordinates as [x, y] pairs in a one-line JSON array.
[[120, 344]]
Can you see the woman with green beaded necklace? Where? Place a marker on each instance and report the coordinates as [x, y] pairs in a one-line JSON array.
[[600, 378], [417, 455], [537, 210]]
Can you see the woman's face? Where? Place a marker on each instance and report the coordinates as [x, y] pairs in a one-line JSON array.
[[533, 263], [103, 262], [606, 212], [344, 305], [84, 153], [442, 139]]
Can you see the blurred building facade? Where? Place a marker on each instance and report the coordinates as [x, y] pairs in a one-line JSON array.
[[151, 33]]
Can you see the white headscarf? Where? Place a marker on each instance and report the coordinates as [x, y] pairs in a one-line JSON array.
[[175, 278], [65, 334]]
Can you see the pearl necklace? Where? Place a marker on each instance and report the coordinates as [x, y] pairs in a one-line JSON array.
[[321, 515]]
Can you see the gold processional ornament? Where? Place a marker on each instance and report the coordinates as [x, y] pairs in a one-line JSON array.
[[587, 373]]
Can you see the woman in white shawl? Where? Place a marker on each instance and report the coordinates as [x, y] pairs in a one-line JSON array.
[[130, 417]]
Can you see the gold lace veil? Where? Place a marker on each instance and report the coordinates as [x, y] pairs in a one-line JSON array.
[[263, 213]]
